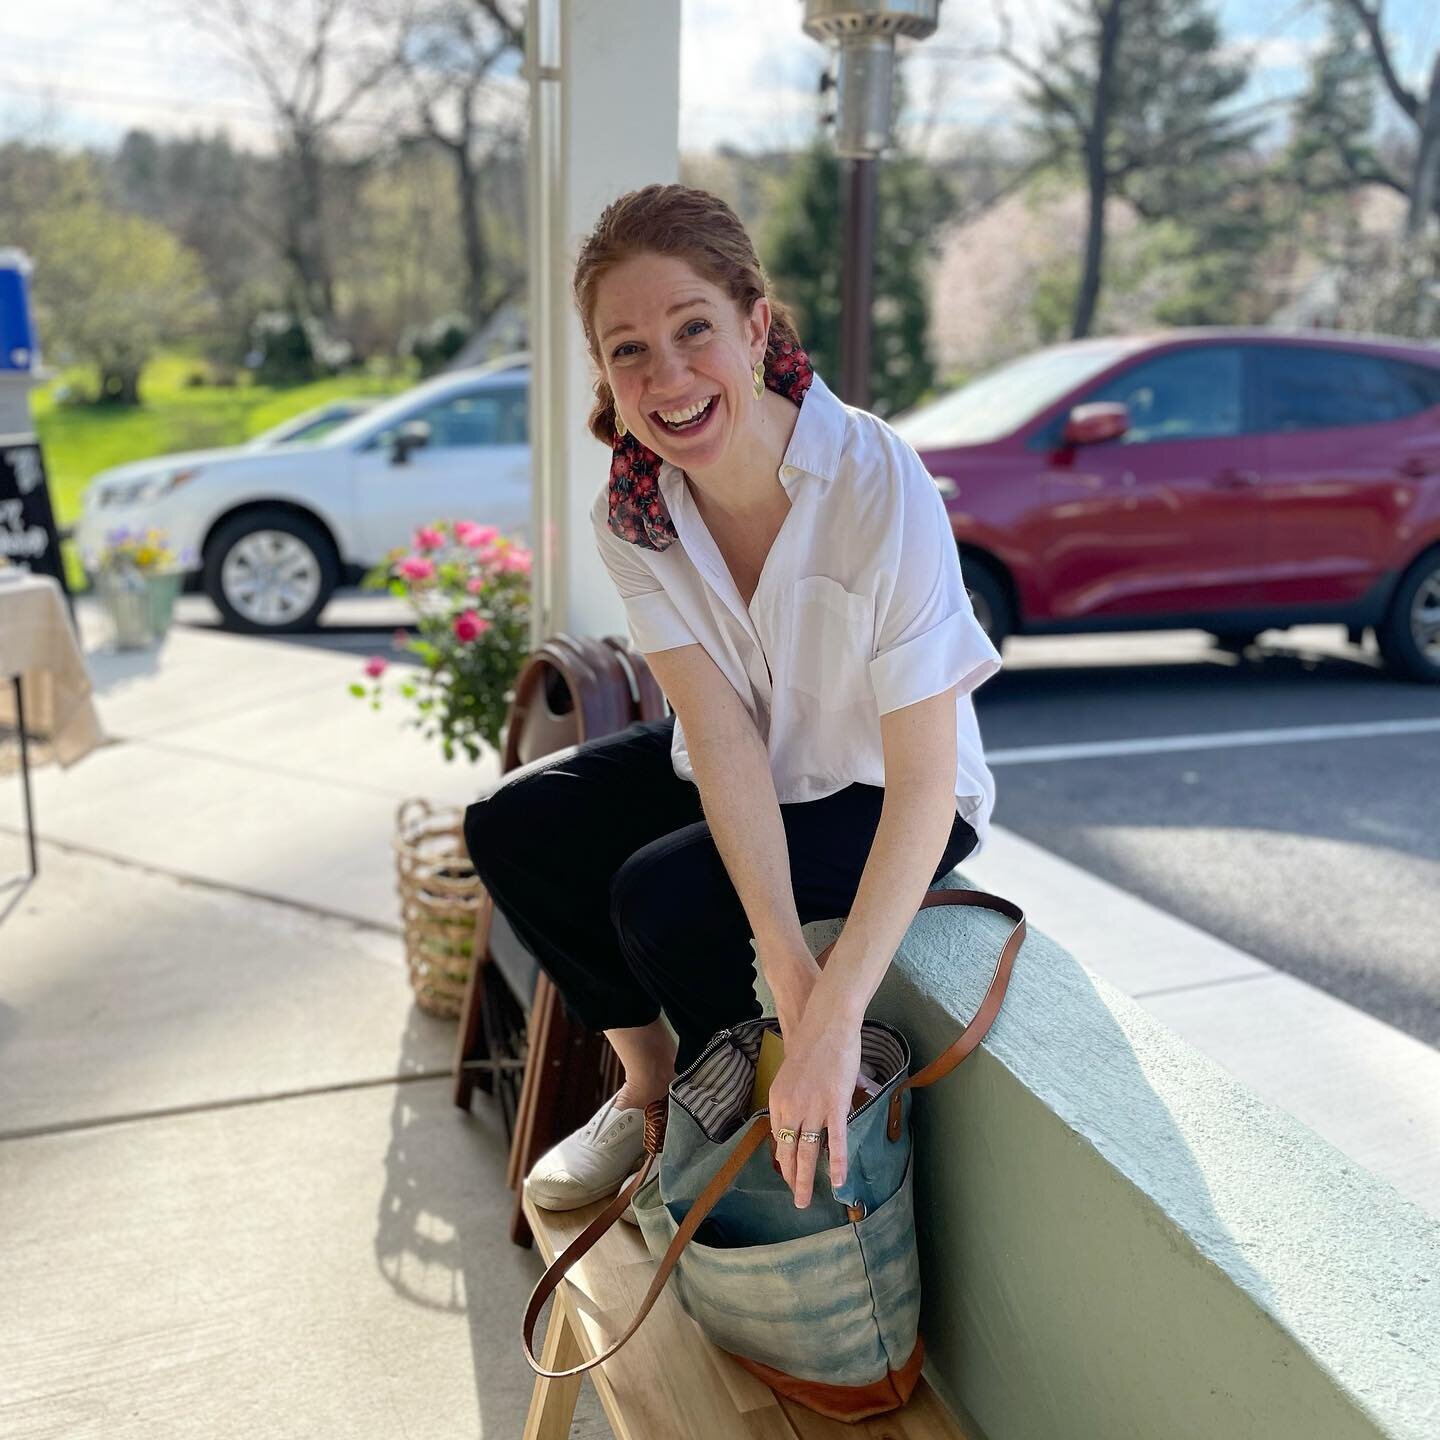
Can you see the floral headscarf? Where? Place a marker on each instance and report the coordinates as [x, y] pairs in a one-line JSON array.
[[638, 512]]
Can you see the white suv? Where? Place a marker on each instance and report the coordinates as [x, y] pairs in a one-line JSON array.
[[271, 533]]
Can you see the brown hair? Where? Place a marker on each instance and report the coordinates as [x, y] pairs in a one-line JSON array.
[[699, 228]]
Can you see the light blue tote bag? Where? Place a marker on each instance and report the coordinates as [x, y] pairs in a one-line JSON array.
[[822, 1304]]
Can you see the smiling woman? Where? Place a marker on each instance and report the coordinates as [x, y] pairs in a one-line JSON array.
[[787, 568]]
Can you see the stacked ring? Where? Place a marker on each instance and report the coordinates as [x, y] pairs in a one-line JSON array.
[[813, 1136]]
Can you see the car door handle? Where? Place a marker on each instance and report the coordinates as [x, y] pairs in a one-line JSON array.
[[1233, 479], [1416, 466]]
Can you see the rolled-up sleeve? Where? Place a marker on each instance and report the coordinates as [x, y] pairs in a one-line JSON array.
[[927, 638], [655, 622]]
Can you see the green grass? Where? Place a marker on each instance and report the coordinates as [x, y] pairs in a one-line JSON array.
[[79, 442]]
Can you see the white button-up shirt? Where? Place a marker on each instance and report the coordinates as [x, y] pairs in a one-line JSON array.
[[859, 610]]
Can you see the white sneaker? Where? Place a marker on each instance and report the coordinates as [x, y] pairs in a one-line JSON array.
[[591, 1163]]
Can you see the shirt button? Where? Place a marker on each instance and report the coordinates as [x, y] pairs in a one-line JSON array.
[[788, 472]]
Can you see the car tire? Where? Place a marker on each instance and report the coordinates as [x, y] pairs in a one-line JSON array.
[[988, 599], [270, 571], [1234, 640], [1409, 636]]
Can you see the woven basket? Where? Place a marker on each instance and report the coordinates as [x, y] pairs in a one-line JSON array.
[[439, 896]]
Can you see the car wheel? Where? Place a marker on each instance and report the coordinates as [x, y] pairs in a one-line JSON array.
[[271, 571], [988, 599], [1409, 635]]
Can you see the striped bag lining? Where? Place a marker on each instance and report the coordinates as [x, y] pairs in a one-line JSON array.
[[717, 1091]]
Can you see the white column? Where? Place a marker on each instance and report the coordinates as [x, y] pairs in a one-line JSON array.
[[604, 118]]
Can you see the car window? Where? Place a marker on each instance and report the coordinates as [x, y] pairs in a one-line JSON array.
[[997, 402], [1419, 384], [1309, 388], [461, 421], [1190, 394], [514, 417]]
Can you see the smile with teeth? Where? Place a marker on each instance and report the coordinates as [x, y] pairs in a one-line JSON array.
[[691, 418]]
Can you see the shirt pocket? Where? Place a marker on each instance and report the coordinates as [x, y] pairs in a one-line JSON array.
[[831, 634]]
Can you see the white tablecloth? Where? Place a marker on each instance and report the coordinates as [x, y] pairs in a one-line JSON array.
[[38, 643]]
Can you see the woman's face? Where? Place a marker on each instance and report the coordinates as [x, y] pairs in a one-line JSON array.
[[670, 340]]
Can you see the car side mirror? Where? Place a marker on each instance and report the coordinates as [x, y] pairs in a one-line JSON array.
[[412, 435], [1095, 423]]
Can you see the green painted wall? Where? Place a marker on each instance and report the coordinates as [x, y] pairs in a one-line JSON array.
[[1118, 1240]]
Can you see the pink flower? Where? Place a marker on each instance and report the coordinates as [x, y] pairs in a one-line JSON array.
[[428, 538], [400, 640], [517, 561], [476, 536], [469, 625], [376, 666], [416, 567], [475, 584]]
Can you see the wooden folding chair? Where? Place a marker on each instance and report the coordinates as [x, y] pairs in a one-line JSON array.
[[515, 1041]]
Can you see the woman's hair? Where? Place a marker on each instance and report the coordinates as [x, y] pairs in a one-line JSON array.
[[694, 225]]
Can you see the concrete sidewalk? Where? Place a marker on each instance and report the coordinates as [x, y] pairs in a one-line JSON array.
[[236, 1196]]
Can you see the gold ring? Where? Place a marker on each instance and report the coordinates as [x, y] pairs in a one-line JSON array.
[[785, 1137], [813, 1136]]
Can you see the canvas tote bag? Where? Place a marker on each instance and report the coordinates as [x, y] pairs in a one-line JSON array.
[[822, 1304]]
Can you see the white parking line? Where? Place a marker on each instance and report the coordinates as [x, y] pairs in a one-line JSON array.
[[1219, 740]]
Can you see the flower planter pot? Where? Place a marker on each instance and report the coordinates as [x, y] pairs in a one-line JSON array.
[[162, 590], [126, 598], [439, 897]]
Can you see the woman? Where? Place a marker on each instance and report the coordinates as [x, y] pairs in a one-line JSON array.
[[788, 570]]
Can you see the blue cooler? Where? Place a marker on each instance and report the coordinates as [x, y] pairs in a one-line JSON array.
[[17, 333]]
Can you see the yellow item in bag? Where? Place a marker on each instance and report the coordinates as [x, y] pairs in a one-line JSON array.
[[772, 1052]]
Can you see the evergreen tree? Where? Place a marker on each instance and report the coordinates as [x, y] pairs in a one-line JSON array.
[[802, 248], [1332, 147]]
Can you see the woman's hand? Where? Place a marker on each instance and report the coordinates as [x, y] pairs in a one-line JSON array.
[[811, 1091]]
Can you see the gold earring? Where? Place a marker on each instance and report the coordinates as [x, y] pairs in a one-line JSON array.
[[759, 378], [620, 429]]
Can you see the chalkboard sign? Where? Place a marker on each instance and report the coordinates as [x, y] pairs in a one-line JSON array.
[[28, 537]]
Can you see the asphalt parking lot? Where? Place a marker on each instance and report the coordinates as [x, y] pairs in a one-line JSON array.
[[1284, 800]]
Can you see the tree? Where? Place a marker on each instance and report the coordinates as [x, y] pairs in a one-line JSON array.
[[315, 62], [201, 188], [450, 52], [801, 249], [1332, 135], [111, 288], [1422, 186], [1136, 95]]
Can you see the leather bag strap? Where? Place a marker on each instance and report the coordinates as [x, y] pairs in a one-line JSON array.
[[757, 1134]]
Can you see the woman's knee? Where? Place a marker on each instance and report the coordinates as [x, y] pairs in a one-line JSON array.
[[502, 819], [667, 886]]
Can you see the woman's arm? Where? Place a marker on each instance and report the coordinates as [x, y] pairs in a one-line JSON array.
[[916, 820], [737, 794]]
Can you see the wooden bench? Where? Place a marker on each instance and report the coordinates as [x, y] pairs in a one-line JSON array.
[[669, 1381]]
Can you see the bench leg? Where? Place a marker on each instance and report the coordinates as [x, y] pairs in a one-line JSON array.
[[552, 1402]]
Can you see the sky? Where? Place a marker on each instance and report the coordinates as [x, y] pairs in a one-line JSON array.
[[82, 72]]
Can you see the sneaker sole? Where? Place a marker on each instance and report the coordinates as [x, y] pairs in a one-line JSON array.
[[568, 1202]]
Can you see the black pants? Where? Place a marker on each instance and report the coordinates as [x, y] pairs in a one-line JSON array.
[[602, 861]]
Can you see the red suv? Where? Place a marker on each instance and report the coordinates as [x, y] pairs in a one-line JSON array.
[[1223, 480]]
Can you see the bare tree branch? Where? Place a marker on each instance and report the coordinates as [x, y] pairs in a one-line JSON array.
[[1370, 18]]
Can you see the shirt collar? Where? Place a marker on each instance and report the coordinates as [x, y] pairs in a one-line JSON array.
[[815, 447]]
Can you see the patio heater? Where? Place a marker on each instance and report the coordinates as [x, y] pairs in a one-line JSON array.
[[864, 33]]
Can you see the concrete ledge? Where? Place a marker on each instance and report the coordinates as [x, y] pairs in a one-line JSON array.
[[1118, 1239]]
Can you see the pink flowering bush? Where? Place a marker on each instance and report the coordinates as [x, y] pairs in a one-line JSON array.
[[469, 587]]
